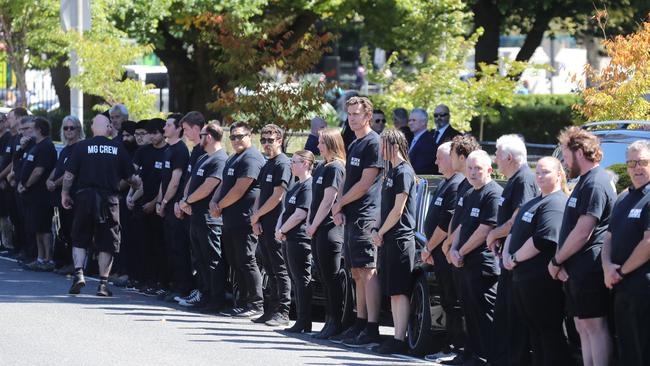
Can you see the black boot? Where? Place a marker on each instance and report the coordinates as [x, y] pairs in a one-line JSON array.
[[78, 282]]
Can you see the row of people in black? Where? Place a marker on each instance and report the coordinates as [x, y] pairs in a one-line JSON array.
[[512, 262]]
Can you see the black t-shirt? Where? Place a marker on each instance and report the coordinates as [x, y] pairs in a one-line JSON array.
[[399, 179], [593, 195], [298, 196], [441, 207], [20, 154], [176, 156], [99, 163], [207, 166], [195, 154], [521, 188], [275, 173], [150, 162], [363, 153], [59, 169], [541, 219], [480, 207], [312, 144], [5, 150], [325, 176], [42, 154], [464, 188], [246, 164], [629, 222]]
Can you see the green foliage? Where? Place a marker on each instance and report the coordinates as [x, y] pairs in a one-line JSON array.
[[624, 181], [539, 118], [102, 53]]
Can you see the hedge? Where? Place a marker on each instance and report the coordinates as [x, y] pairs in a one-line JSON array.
[[539, 118]]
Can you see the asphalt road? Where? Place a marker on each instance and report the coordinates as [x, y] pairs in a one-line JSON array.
[[40, 324]]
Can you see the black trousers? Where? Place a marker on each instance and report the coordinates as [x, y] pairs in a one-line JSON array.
[[22, 242], [298, 255], [155, 270], [326, 247], [449, 301], [239, 245], [632, 314], [205, 235], [122, 258], [512, 346], [177, 243], [540, 302], [477, 296], [63, 241], [273, 261]]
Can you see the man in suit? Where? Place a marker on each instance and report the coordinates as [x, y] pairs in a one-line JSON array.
[[422, 151], [443, 132]]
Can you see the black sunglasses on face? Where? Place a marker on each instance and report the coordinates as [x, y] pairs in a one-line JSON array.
[[265, 140], [380, 120], [440, 115], [237, 137], [69, 128]]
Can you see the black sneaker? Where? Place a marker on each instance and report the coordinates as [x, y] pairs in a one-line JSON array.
[[233, 311], [262, 319], [364, 339], [78, 282], [249, 313], [102, 290], [392, 347], [278, 320], [351, 332]]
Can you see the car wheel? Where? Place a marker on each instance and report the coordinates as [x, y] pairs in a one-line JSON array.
[[347, 284], [419, 328]]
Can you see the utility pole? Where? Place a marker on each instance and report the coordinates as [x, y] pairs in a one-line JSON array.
[[75, 16]]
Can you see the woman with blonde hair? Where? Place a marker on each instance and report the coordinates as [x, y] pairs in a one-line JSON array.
[[326, 237], [532, 243], [296, 245]]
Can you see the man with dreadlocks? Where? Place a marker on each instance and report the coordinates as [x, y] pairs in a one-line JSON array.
[[395, 237]]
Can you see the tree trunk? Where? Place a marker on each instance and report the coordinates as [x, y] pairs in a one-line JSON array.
[[19, 69], [535, 35], [488, 16], [60, 76]]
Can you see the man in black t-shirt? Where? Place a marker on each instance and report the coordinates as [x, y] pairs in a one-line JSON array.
[[5, 147], [24, 142], [441, 209], [625, 259], [469, 253], [234, 200], [511, 335], [97, 165], [37, 166], [205, 230], [357, 207], [177, 244], [274, 180], [577, 261]]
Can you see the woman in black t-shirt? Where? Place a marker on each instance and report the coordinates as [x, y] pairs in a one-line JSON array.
[[296, 244], [326, 237], [531, 245], [395, 238]]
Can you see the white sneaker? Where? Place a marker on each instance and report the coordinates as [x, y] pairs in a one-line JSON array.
[[440, 356]]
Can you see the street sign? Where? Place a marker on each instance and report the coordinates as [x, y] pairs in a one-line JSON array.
[[69, 10]]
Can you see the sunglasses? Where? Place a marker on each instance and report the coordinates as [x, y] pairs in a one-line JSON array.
[[237, 137], [69, 128], [380, 120], [204, 134], [633, 163], [440, 115], [265, 140]]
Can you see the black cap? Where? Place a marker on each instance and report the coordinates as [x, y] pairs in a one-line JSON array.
[[142, 125], [128, 126], [155, 125]]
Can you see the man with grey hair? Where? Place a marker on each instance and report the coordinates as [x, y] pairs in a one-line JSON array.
[[422, 151], [476, 266], [118, 114], [401, 122], [626, 259], [512, 346], [317, 124]]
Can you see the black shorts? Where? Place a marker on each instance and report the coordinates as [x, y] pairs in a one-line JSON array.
[[5, 196], [586, 296], [38, 216], [358, 250], [395, 262], [96, 218]]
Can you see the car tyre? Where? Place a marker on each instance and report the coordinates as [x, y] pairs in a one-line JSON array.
[[419, 331]]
